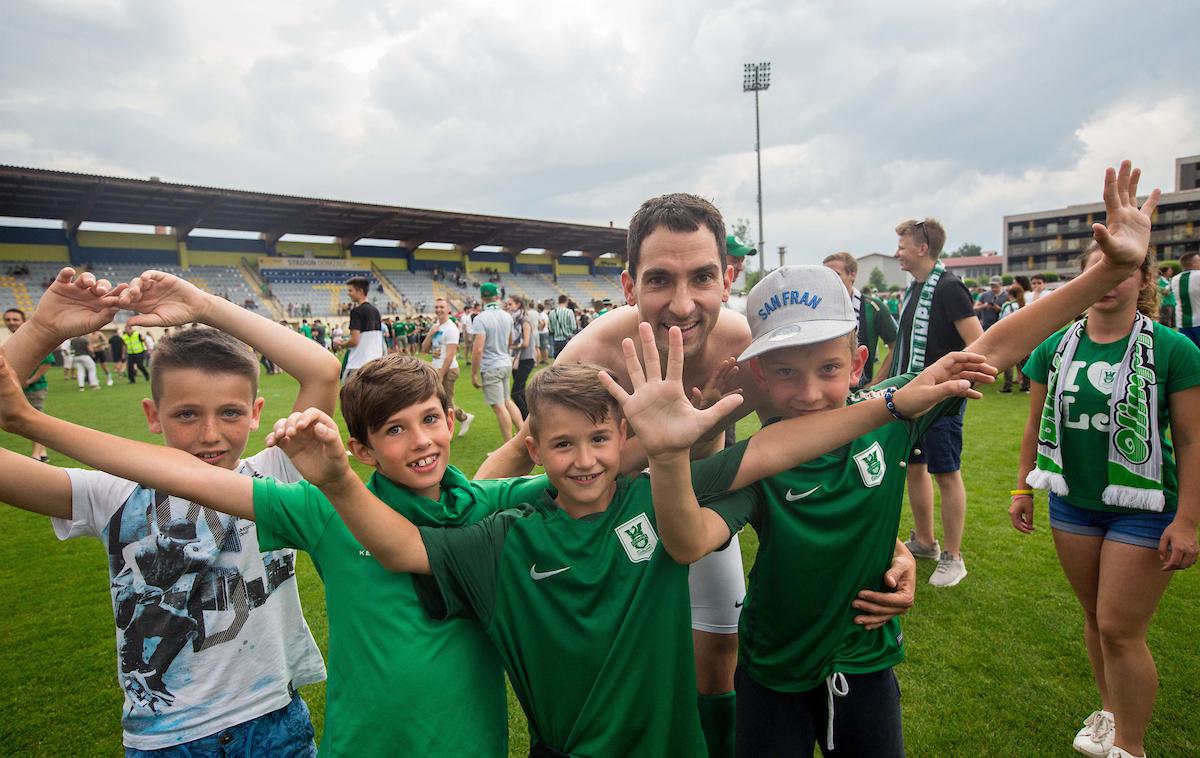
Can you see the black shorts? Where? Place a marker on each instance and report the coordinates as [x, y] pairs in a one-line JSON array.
[[941, 445]]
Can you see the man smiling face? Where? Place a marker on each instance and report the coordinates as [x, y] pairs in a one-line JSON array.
[[680, 282]]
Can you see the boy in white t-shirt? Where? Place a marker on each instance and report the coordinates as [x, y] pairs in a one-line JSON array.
[[211, 640], [442, 343]]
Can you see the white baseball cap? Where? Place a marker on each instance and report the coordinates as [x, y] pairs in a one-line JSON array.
[[797, 305]]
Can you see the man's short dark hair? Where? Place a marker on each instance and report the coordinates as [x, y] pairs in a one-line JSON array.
[[385, 385], [562, 299], [17, 311], [678, 212], [1038, 277], [1186, 258], [204, 349], [360, 283]]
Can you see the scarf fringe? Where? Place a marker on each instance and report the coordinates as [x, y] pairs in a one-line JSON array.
[[1048, 480], [1134, 497]]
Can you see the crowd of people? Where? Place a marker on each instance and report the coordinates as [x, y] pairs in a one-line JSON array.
[[610, 588]]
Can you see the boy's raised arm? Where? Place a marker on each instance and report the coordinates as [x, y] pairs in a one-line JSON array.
[[1124, 241], [789, 443], [161, 468], [72, 305], [312, 442], [34, 486], [166, 300], [668, 425]]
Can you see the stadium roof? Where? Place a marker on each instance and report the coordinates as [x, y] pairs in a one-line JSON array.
[[75, 198]]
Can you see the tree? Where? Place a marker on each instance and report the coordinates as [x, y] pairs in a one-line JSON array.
[[877, 281], [753, 277], [740, 228], [966, 250]]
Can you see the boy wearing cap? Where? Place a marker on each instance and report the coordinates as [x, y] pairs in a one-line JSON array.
[[833, 521], [491, 365]]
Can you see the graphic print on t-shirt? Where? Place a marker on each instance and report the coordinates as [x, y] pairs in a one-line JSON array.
[[176, 583], [1100, 376]]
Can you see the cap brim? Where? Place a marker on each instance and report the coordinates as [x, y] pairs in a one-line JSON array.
[[793, 335]]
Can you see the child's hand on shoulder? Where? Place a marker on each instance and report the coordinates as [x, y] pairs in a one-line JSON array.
[[162, 299], [311, 440], [76, 304], [953, 375]]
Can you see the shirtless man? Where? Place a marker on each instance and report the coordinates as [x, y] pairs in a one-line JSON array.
[[678, 274]]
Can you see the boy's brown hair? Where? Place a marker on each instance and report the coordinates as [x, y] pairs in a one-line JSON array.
[[846, 259], [386, 385], [204, 349], [575, 386]]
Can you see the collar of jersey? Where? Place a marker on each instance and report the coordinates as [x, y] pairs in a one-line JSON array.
[[452, 509], [549, 507]]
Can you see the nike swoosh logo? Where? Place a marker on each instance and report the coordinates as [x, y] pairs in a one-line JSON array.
[[738, 604], [538, 576], [790, 497]]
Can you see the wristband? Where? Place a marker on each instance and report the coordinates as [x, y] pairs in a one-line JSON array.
[[1020, 492], [888, 395]]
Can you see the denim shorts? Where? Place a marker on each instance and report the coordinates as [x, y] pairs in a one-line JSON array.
[[1141, 528], [286, 733], [941, 445]]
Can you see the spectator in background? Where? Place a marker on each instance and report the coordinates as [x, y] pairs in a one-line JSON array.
[[937, 318], [989, 304], [562, 324], [874, 321], [84, 363], [523, 348], [1185, 286], [1037, 288], [738, 253], [102, 353], [366, 328], [544, 344], [491, 364], [135, 354]]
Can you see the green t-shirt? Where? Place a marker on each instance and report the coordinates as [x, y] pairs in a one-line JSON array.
[[306, 330], [591, 616], [1086, 395], [399, 682], [826, 530], [1164, 289], [41, 383]]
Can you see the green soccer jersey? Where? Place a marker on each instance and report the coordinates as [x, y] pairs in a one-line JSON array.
[[591, 616], [1086, 395], [399, 682], [826, 530], [41, 383]]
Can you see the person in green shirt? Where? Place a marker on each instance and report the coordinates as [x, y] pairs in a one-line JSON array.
[[1166, 309], [591, 619], [1124, 493], [806, 671]]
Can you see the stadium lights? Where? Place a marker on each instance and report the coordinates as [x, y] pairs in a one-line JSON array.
[[757, 78]]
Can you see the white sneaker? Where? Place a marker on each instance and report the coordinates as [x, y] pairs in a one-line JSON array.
[[949, 572], [465, 425], [109, 383], [920, 549], [1096, 736]]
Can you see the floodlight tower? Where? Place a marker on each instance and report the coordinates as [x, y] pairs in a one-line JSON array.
[[757, 78]]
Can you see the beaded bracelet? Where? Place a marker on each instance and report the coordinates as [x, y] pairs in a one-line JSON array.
[[888, 400]]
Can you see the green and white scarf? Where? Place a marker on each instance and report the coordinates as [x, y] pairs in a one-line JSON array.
[[911, 353], [1134, 445]]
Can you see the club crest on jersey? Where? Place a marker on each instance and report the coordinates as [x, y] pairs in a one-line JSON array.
[[638, 538], [870, 465]]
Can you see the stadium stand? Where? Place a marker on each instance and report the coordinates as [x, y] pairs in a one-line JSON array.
[[322, 290]]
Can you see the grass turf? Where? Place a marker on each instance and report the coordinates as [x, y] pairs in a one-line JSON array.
[[995, 666]]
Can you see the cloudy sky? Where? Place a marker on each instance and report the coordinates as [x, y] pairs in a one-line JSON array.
[[577, 111]]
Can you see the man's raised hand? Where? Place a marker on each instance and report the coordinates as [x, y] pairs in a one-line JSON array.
[[162, 299], [1125, 235], [311, 440], [953, 375], [659, 411]]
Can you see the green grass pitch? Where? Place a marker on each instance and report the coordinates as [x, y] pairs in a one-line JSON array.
[[995, 666]]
